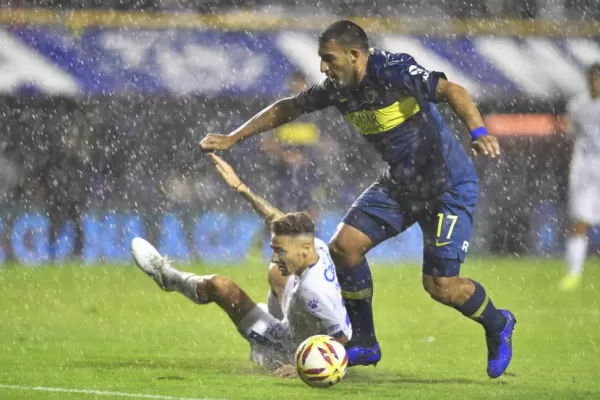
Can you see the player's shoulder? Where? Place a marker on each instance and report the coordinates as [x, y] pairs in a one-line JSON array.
[[323, 271], [321, 245], [325, 85], [313, 301], [383, 58], [325, 261], [313, 297], [321, 93], [382, 63]]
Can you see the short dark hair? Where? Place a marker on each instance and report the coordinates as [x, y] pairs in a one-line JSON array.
[[593, 71], [346, 33], [293, 224]]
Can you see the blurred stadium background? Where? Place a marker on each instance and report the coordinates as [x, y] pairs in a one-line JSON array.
[[103, 105]]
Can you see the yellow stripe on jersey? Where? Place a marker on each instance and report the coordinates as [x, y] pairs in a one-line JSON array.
[[371, 122], [298, 133]]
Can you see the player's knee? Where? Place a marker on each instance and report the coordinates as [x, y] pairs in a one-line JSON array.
[[446, 290], [205, 288], [343, 254], [348, 246], [277, 281], [337, 249], [213, 286]]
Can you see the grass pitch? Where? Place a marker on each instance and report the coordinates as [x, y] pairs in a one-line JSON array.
[[110, 329]]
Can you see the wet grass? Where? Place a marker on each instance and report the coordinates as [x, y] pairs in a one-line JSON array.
[[109, 328]]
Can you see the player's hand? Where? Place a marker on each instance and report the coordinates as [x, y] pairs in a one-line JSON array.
[[487, 145], [286, 371], [213, 141], [225, 170]]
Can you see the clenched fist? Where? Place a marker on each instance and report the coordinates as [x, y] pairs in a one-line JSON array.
[[213, 141]]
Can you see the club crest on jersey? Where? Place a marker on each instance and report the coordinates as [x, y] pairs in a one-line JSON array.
[[370, 94], [416, 71]]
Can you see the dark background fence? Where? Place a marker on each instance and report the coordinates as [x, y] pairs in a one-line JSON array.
[[66, 157]]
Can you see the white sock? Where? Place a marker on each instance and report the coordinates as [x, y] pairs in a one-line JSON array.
[[185, 283], [576, 252]]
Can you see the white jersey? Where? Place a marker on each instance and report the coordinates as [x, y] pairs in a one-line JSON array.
[[584, 178], [312, 302], [584, 125], [312, 305]]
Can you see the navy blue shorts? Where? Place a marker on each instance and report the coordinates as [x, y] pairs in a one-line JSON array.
[[446, 222]]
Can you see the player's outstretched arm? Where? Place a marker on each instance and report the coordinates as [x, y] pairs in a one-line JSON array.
[[459, 99], [277, 114], [265, 209]]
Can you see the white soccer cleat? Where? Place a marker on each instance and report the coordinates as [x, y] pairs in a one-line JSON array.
[[149, 260]]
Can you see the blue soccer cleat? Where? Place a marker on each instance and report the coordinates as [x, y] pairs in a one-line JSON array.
[[500, 347], [358, 355]]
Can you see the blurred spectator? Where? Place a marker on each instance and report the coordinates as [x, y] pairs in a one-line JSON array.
[[474, 9], [293, 148], [526, 9], [582, 9]]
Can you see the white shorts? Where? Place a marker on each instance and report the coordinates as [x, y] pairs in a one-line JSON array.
[[269, 337], [584, 191]]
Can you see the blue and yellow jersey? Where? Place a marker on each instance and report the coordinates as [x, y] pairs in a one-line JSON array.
[[394, 109]]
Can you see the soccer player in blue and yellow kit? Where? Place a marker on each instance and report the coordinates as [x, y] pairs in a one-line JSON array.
[[293, 148], [390, 100]]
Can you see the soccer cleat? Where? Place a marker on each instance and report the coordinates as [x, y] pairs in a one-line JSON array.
[[149, 260], [358, 355], [500, 347], [570, 283]]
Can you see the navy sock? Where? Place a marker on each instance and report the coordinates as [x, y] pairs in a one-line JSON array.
[[480, 308], [357, 292]]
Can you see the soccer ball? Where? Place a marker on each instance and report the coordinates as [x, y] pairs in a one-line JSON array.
[[321, 361]]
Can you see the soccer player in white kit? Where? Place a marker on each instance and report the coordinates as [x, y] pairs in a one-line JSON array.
[[584, 186], [305, 297]]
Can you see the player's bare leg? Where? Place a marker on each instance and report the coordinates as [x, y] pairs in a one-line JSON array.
[[470, 298], [576, 250], [227, 294], [348, 248], [200, 289], [451, 291]]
